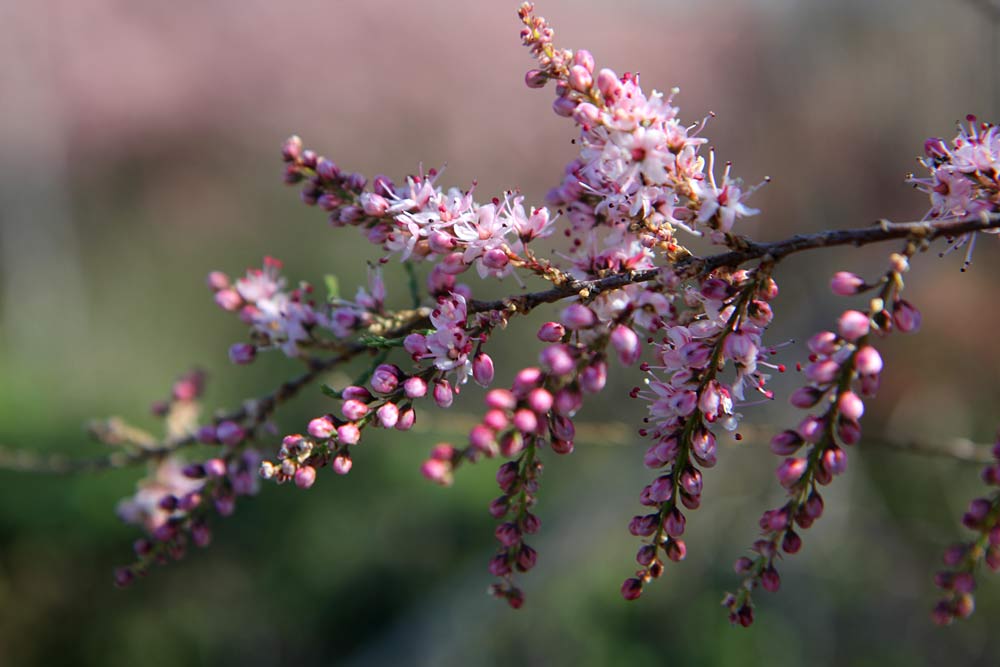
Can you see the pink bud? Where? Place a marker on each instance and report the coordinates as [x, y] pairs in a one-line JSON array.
[[551, 332], [562, 428], [215, 467], [643, 526], [443, 452], [594, 377], [823, 372], [501, 399], [703, 447], [341, 464], [626, 343], [443, 394], [527, 379], [242, 353], [495, 419], [406, 420], [415, 344], [385, 379], [558, 359], [353, 392], [496, 259], [482, 438], [230, 433], [851, 406], [305, 477], [354, 409], [374, 205], [811, 429], [662, 489], [769, 579], [786, 443], [349, 434], [578, 316], [564, 106], [507, 475], [867, 361], [482, 369], [437, 471], [824, 342], [587, 115], [540, 401], [507, 534], [562, 446], [580, 79], [632, 589], [534, 78], [845, 283], [853, 324], [525, 421], [905, 316], [567, 402], [322, 428], [835, 460], [584, 59], [608, 84], [228, 299], [217, 280], [791, 470], [674, 523], [805, 397], [388, 415], [415, 387]]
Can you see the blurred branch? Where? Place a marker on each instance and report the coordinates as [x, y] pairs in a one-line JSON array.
[[620, 434]]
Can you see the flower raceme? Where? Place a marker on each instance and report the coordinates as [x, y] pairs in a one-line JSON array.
[[629, 294]]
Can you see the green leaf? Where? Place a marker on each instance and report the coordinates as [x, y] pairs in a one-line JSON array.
[[332, 287]]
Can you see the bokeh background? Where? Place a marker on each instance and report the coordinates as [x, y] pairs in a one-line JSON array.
[[139, 150]]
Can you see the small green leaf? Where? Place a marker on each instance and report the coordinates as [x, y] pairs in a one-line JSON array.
[[332, 287]]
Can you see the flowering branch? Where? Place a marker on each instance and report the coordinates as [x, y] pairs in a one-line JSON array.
[[632, 291]]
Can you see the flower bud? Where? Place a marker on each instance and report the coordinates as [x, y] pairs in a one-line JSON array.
[[578, 316], [551, 332], [626, 343], [443, 394], [482, 369], [791, 470], [305, 477], [501, 399], [853, 324], [867, 361], [341, 464], [388, 415], [406, 420], [845, 283], [348, 434], [322, 428], [594, 377], [905, 316]]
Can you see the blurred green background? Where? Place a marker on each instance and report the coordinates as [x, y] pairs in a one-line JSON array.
[[139, 150]]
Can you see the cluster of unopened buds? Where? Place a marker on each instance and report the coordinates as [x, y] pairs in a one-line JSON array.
[[629, 293]]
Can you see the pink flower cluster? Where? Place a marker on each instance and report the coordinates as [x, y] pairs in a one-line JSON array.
[[958, 582], [844, 367], [419, 220], [722, 321], [638, 161], [627, 289], [174, 501], [963, 180]]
